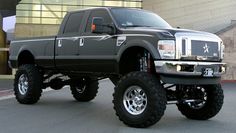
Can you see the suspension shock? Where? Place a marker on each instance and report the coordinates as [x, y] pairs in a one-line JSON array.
[[145, 62], [149, 63]]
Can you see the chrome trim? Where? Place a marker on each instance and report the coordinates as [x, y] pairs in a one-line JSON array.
[[222, 48], [23, 84], [33, 40], [74, 38], [103, 37], [172, 67], [188, 37], [135, 100], [158, 63], [69, 38]]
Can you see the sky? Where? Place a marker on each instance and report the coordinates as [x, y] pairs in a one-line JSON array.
[[9, 23]]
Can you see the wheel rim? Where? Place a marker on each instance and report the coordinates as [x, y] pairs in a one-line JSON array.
[[82, 86], [135, 100], [23, 84], [81, 89], [202, 94]]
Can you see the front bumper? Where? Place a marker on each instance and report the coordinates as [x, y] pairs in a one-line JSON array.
[[189, 72]]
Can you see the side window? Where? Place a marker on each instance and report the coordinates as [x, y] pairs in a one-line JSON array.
[[98, 13], [74, 22]]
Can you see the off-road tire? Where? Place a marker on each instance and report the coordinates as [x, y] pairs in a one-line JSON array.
[[214, 103], [35, 84], [156, 99], [89, 92]]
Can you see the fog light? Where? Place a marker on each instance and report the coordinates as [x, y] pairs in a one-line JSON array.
[[223, 69], [178, 68]]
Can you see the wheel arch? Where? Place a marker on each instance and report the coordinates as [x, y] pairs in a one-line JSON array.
[[130, 51], [25, 57], [142, 44]]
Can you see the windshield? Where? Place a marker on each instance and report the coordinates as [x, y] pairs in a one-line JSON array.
[[138, 18]]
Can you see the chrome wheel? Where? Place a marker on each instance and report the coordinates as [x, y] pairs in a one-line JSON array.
[[81, 90], [135, 100], [207, 101], [28, 84], [201, 93], [84, 90], [139, 99], [23, 84]]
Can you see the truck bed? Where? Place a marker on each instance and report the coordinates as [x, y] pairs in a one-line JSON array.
[[41, 47]]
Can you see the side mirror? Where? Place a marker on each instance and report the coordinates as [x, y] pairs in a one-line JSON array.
[[97, 25]]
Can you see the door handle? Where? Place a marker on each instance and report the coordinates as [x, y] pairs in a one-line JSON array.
[[81, 42], [59, 44]]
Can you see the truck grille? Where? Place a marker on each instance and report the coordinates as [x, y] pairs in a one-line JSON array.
[[194, 46], [204, 48]]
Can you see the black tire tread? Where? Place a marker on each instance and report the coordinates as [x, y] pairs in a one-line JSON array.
[[89, 93], [35, 84], [157, 100], [212, 107]]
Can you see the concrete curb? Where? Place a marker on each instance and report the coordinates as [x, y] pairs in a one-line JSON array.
[[228, 81], [6, 76], [6, 92]]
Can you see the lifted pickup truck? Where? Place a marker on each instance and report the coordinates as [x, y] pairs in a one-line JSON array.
[[150, 63]]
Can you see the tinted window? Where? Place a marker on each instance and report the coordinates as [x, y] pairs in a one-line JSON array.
[[98, 13], [74, 22], [138, 18]]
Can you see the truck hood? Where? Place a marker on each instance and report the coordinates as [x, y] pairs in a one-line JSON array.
[[190, 44], [170, 33]]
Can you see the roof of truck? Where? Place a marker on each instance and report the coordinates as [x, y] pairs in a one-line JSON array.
[[93, 8]]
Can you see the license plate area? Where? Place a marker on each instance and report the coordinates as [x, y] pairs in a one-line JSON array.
[[208, 72]]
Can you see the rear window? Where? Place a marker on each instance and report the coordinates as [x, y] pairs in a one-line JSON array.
[[74, 22]]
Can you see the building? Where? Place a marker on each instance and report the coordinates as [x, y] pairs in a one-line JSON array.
[[206, 15], [215, 16], [7, 8], [42, 17]]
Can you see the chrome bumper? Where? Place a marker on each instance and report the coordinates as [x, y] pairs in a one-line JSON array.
[[189, 68]]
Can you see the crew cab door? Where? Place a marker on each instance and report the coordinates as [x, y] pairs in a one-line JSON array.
[[98, 50], [67, 43]]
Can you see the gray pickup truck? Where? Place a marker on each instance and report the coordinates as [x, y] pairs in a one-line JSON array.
[[150, 63]]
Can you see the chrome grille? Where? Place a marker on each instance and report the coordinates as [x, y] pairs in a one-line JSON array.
[[183, 47], [204, 48], [197, 46]]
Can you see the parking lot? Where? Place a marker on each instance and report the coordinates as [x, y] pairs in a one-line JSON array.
[[58, 112]]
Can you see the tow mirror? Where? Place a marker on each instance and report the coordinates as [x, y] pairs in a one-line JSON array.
[[97, 25]]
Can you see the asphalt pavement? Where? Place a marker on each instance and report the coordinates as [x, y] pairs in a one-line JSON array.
[[58, 112], [6, 84]]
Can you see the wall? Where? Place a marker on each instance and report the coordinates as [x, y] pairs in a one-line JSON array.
[[35, 30], [3, 55], [206, 15], [229, 38], [1, 21]]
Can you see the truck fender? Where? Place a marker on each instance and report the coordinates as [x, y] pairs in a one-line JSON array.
[[24, 48], [139, 43]]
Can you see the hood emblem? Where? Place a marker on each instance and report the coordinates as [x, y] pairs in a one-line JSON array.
[[206, 48]]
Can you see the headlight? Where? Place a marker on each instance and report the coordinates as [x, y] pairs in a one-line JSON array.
[[222, 48], [166, 49]]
